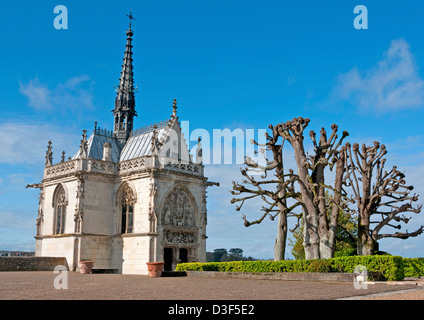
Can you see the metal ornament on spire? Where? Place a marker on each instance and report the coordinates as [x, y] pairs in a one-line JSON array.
[[131, 17]]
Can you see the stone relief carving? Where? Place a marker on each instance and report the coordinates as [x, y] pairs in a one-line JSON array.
[[179, 237], [79, 212], [178, 210], [61, 199], [40, 215], [152, 219], [152, 207]]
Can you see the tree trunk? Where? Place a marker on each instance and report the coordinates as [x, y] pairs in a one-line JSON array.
[[328, 241], [366, 244], [310, 236], [311, 250], [325, 248], [310, 214], [280, 241]]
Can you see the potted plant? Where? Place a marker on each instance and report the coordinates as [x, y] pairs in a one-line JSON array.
[[155, 269], [86, 266]]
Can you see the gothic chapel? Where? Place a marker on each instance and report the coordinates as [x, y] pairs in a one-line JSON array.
[[127, 196]]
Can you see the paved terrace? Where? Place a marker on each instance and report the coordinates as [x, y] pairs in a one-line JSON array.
[[39, 285]]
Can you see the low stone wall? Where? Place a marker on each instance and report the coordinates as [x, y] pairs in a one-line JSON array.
[[294, 276], [31, 263]]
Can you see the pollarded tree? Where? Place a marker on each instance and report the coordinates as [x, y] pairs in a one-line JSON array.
[[319, 228], [272, 187], [382, 197], [306, 188]]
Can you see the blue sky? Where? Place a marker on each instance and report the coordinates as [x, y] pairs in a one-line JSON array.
[[230, 64]]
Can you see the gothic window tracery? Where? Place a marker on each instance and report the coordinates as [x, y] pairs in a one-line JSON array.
[[60, 205], [127, 205]]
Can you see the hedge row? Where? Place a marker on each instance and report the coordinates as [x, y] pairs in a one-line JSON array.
[[388, 267], [413, 267]]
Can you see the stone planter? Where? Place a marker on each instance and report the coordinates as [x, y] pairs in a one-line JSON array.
[[86, 266], [155, 269]]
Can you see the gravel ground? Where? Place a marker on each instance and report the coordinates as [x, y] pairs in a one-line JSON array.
[[40, 286]]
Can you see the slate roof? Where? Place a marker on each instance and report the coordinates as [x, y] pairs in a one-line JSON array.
[[140, 145], [95, 147], [137, 145]]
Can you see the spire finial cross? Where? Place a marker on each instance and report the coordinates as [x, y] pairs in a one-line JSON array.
[[131, 17]]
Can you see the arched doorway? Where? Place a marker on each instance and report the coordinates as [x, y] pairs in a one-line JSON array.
[[179, 227]]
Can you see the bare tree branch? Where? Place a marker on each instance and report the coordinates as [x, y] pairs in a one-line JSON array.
[[379, 194]]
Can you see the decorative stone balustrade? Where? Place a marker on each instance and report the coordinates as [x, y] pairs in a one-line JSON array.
[[61, 169], [122, 168]]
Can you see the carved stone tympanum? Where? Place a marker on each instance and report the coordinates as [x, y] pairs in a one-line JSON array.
[[178, 210]]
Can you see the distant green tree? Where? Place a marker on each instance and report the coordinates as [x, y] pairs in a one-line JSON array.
[[236, 252], [346, 236], [222, 255], [296, 243], [209, 256], [218, 253]]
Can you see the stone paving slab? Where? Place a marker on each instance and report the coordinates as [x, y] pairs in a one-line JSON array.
[[39, 285]]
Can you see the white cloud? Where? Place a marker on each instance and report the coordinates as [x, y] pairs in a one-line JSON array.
[[39, 96], [27, 143], [16, 220], [17, 244], [392, 84], [74, 94]]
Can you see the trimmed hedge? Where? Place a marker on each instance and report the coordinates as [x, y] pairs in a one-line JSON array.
[[413, 267], [388, 267]]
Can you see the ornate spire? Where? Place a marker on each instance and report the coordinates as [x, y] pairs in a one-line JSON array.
[[199, 151], [124, 111], [154, 144], [174, 108], [83, 145], [49, 155]]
